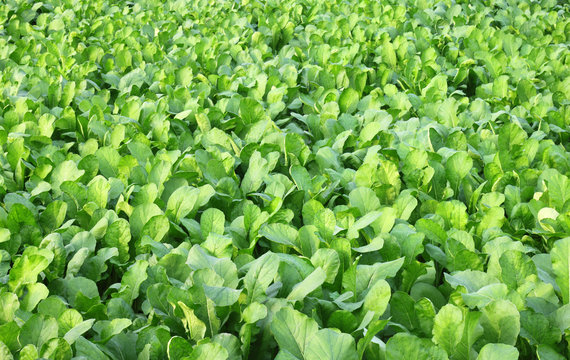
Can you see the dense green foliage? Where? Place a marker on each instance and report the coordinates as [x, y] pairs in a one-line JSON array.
[[294, 179]]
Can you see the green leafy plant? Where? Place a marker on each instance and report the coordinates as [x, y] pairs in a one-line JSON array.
[[284, 179]]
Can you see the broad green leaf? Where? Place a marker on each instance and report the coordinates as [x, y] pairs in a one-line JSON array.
[[279, 233], [118, 235], [178, 348], [74, 333], [485, 295], [363, 222], [5, 352], [132, 280], [515, 268], [308, 285], [65, 171], [498, 352], [371, 332], [293, 331], [457, 167], [448, 328], [106, 329], [211, 351], [26, 270], [37, 330], [471, 332], [33, 295], [545, 352], [254, 312], [329, 344], [257, 170], [329, 261], [180, 203], [212, 221], [222, 296], [53, 216], [194, 326], [84, 347], [260, 276], [364, 199], [109, 159], [251, 111], [141, 215], [470, 279], [407, 346], [560, 255], [377, 298], [538, 329], [9, 304], [348, 100], [500, 322]]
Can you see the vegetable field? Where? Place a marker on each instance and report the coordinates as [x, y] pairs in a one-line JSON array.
[[284, 179]]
